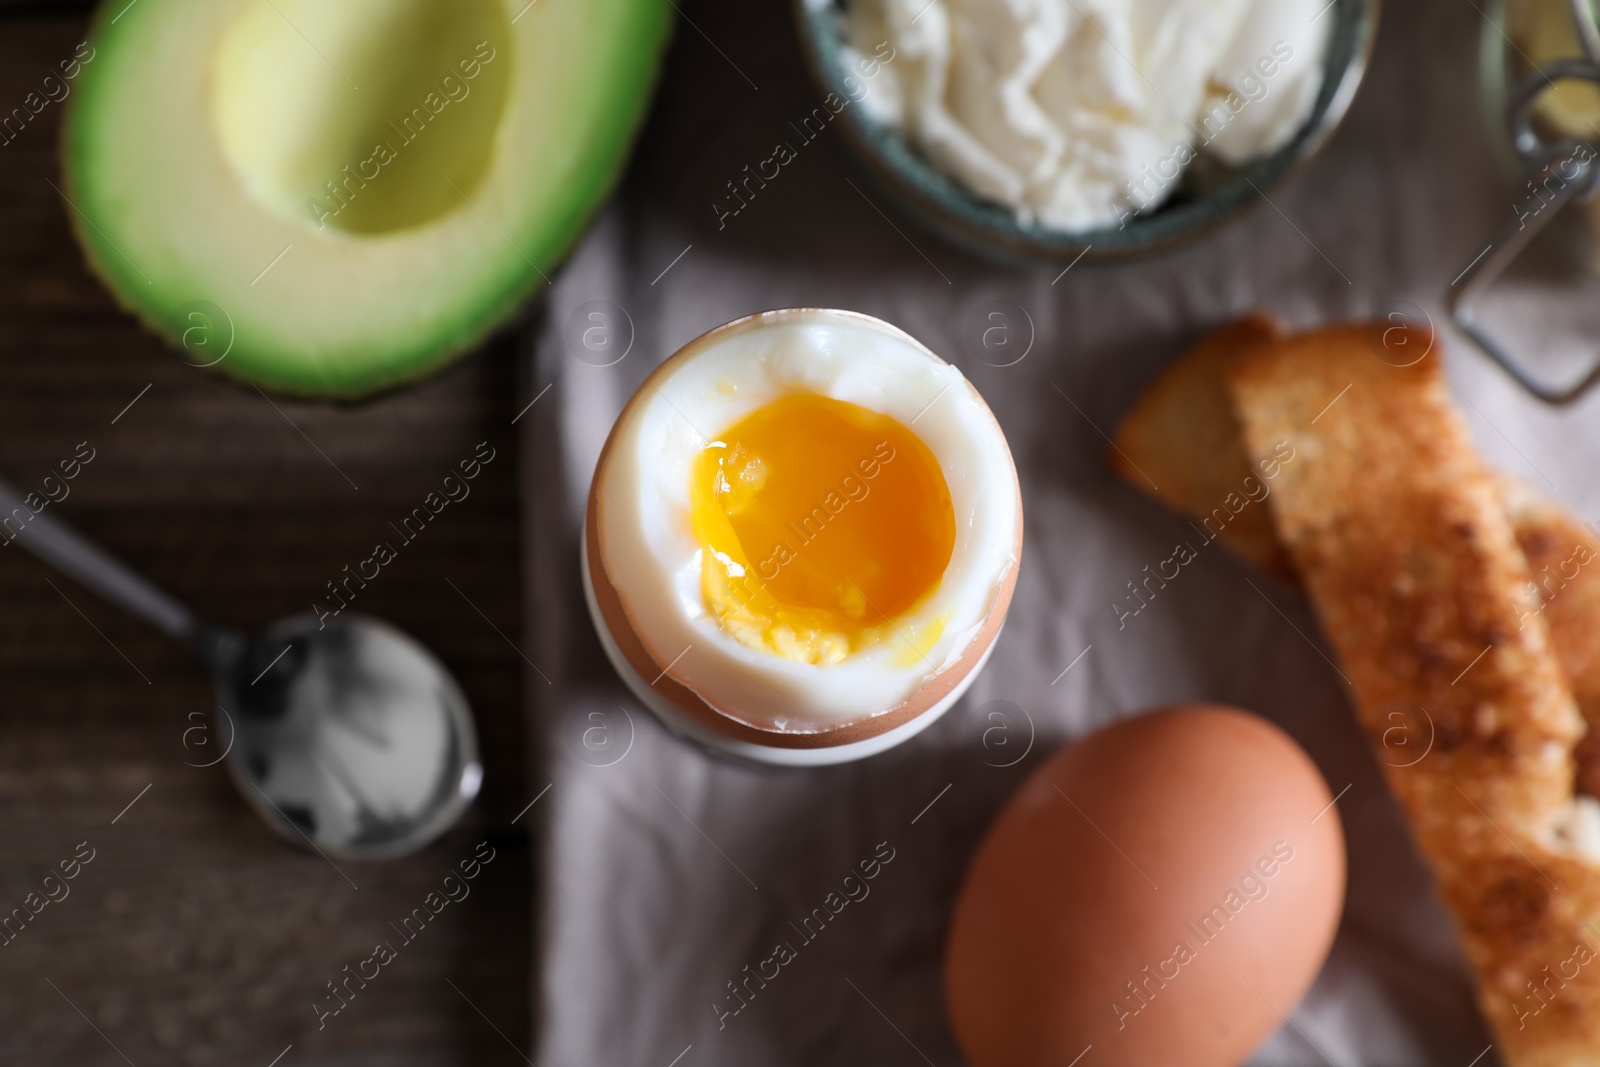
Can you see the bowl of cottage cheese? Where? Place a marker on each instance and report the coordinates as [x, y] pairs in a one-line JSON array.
[[1059, 129]]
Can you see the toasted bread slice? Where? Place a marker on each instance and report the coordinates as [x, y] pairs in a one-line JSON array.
[[1400, 535], [1563, 557], [1171, 434], [1181, 443], [1178, 433]]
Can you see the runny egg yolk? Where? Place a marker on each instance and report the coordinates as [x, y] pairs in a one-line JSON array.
[[821, 523]]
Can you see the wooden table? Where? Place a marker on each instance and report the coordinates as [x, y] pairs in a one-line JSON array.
[[195, 936]]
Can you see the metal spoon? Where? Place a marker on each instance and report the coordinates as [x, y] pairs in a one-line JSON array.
[[348, 737]]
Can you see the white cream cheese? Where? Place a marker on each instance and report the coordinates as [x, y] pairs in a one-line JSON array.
[[1077, 114]]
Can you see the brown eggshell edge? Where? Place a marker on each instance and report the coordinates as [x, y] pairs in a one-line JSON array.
[[648, 665]]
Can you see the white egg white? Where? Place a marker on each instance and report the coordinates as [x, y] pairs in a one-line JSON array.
[[652, 557]]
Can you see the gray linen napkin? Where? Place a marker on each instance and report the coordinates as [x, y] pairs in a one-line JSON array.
[[665, 872]]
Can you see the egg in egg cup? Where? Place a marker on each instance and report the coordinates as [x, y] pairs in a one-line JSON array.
[[802, 537]]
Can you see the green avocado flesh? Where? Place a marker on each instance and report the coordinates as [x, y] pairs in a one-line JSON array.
[[333, 198]]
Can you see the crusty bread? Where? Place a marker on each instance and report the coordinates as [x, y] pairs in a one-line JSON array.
[[1564, 564], [1178, 433], [1400, 535], [1406, 537], [1181, 443]]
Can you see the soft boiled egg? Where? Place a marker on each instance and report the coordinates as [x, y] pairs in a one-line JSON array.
[[802, 537]]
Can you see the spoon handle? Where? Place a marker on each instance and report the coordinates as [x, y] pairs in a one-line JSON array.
[[69, 552]]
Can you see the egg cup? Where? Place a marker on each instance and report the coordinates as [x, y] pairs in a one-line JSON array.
[[737, 679]]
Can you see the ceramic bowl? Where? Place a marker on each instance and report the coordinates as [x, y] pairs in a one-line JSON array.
[[1206, 198]]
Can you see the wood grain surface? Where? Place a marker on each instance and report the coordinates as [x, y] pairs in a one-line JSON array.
[[194, 936]]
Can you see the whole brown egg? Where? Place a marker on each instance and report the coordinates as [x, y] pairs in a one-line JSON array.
[[1162, 892]]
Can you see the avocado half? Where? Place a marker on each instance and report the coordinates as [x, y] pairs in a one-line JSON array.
[[334, 198]]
